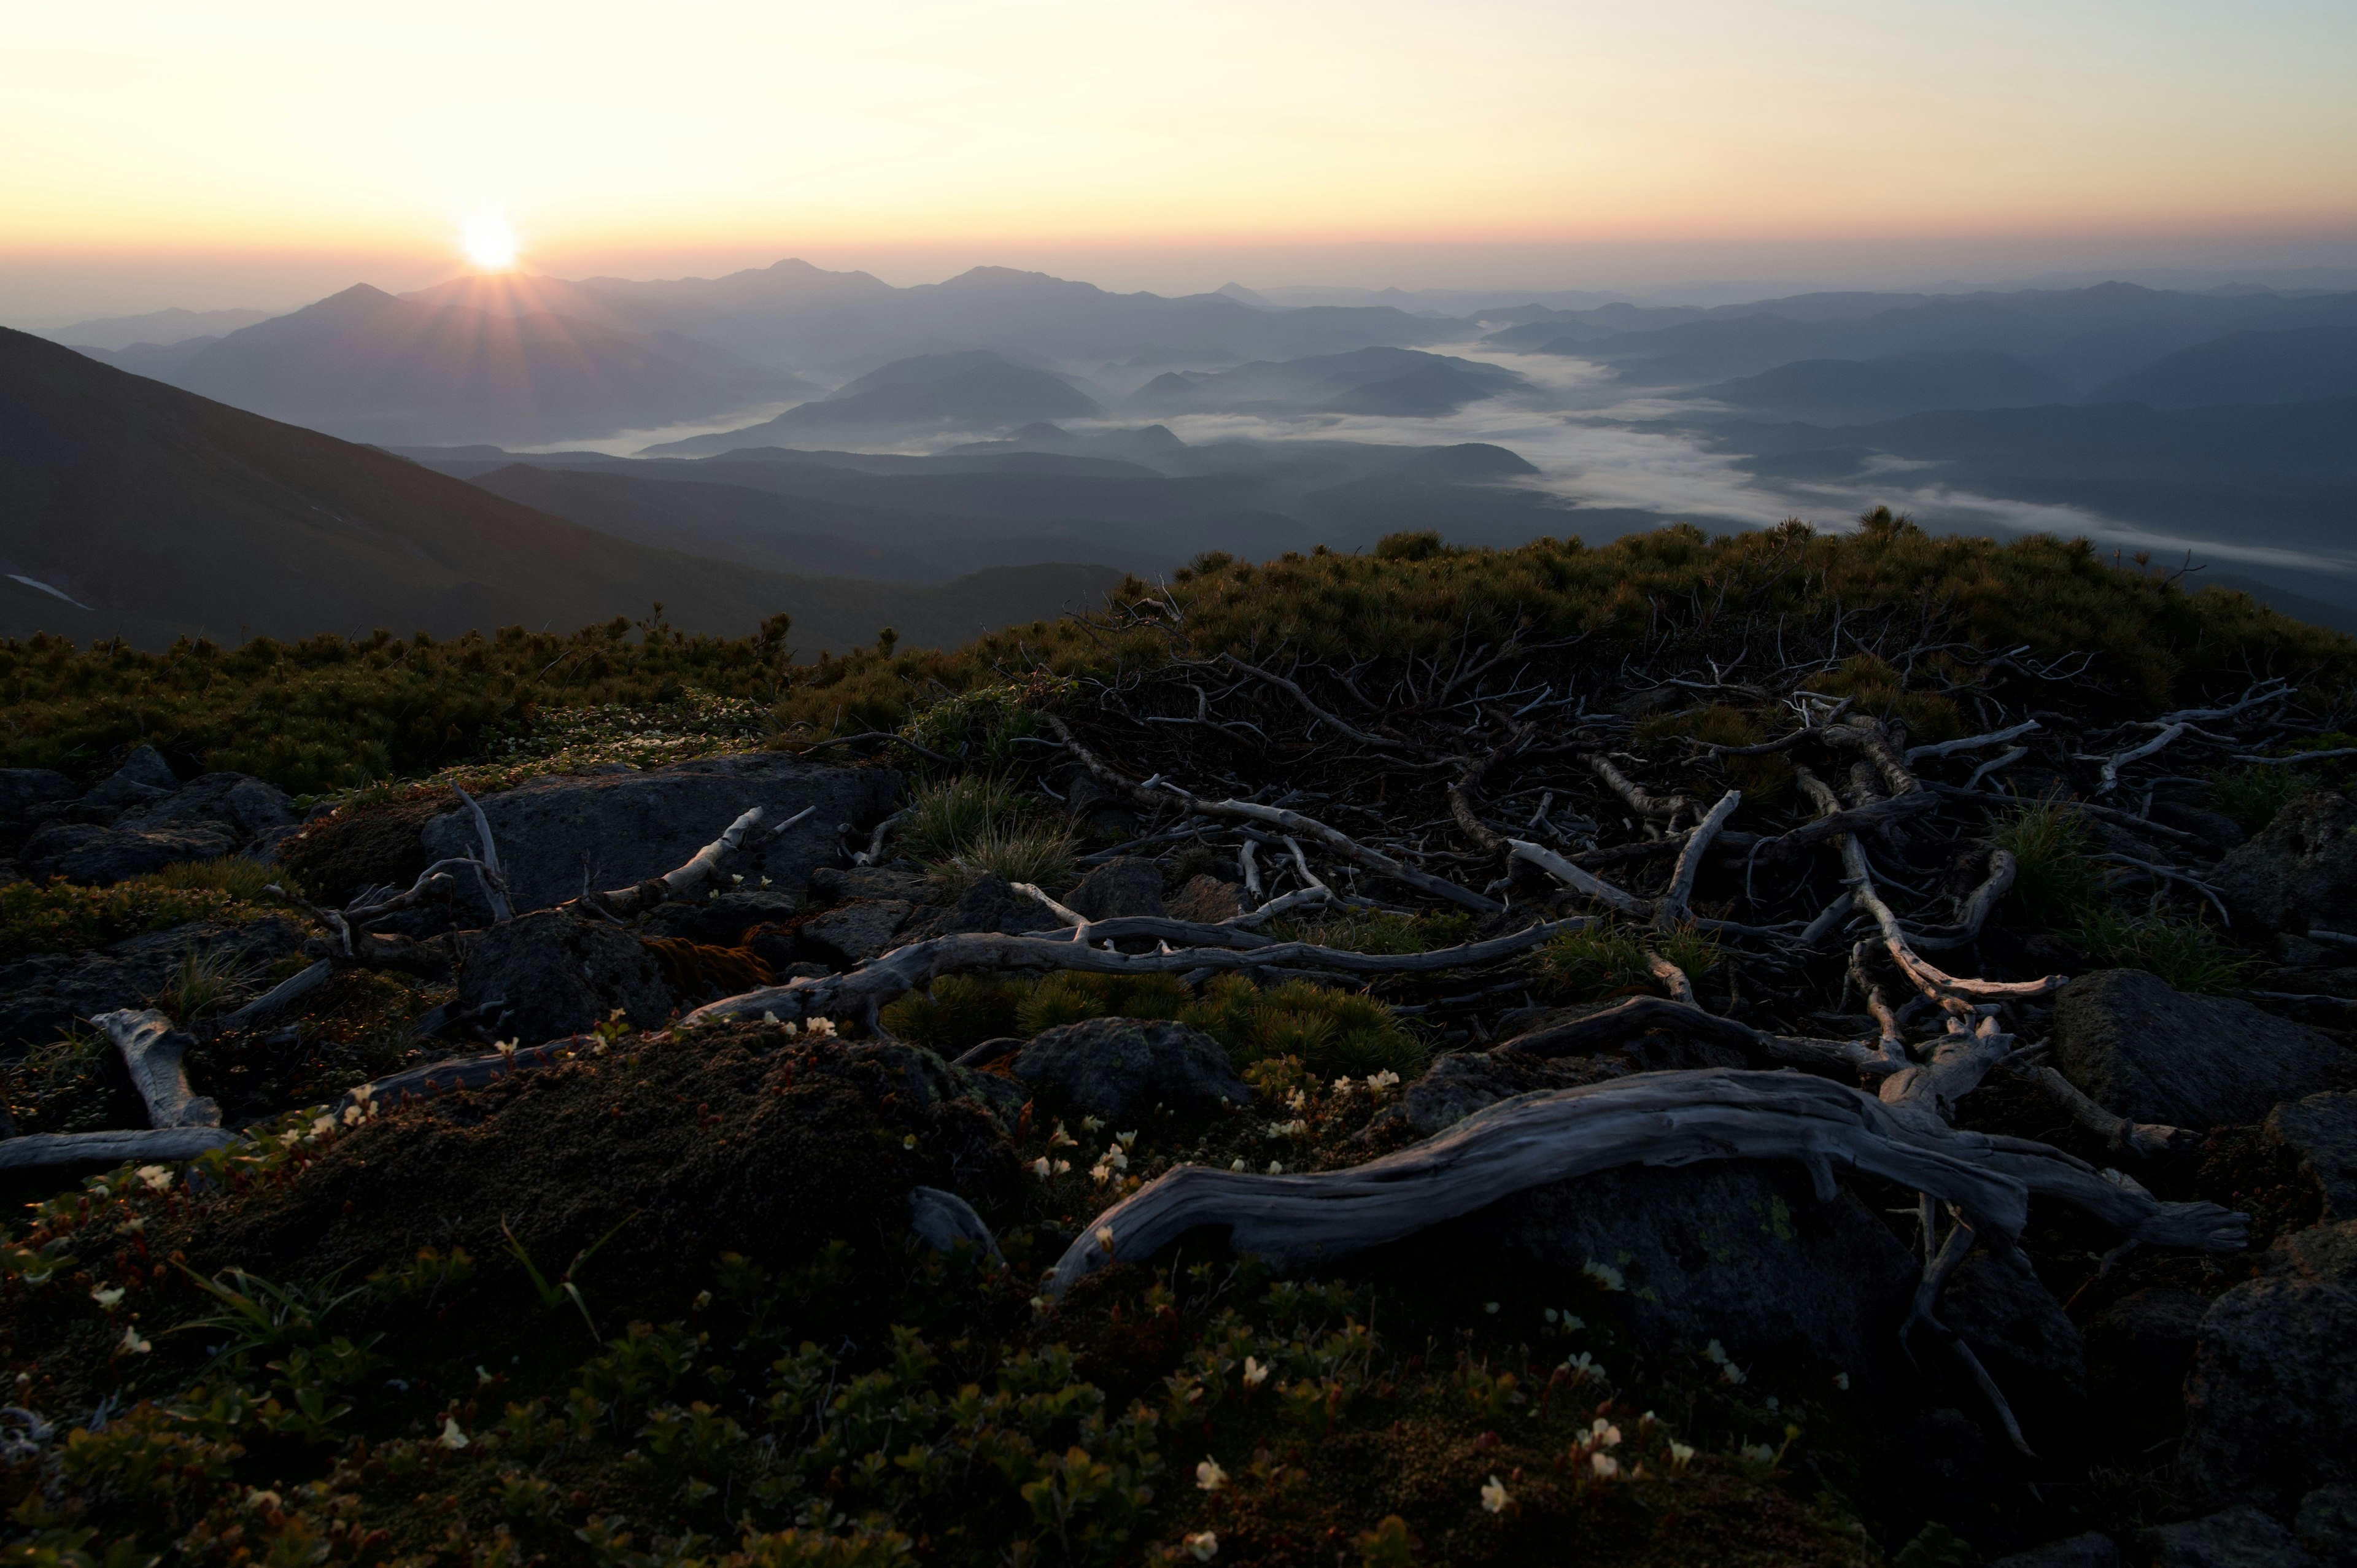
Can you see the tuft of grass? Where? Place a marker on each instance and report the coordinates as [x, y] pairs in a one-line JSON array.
[[2055, 883], [1036, 853], [2252, 796], [239, 876], [972, 824], [2186, 953], [1606, 960], [208, 980], [1373, 930], [59, 916]]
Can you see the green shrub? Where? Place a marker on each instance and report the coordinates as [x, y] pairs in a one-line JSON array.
[[2252, 795], [1609, 959], [59, 917], [2188, 954], [1377, 931], [239, 876], [1037, 852], [2055, 883], [1763, 779]]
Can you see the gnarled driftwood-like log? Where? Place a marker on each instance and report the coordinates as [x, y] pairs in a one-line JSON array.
[[152, 1048]]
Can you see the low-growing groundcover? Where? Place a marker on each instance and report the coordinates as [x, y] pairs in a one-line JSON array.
[[659, 1305]]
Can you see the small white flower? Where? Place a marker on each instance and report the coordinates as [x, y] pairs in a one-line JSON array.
[[107, 1297], [1841, 1382], [483, 1379], [1203, 1545], [1090, 1124], [1379, 1081], [1494, 1496], [1681, 1455], [1209, 1477], [261, 1502], [1039, 1168], [1605, 1274], [1342, 1086], [1101, 1173], [1491, 1308], [1104, 1239], [1295, 1100], [352, 1115], [1603, 1435], [1604, 1465], [321, 1127], [820, 1028], [1277, 1168], [157, 1177], [735, 878], [452, 1438], [1059, 1139], [769, 1017], [1127, 1140], [1759, 1453], [1063, 1167], [1115, 1158], [1255, 1373], [1237, 1164], [132, 1344]]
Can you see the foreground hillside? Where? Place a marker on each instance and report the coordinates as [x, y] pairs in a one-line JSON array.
[[1777, 1050], [144, 512]]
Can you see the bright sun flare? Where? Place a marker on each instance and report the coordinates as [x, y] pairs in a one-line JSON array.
[[489, 243]]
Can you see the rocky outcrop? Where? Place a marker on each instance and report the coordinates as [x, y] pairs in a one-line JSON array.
[[855, 932], [2271, 1405], [1998, 1304], [128, 827], [622, 827], [2238, 1538], [988, 904], [2322, 1130], [1740, 1251], [2139, 1349], [1118, 888], [542, 976], [1110, 1066], [2093, 1550], [2299, 871], [44, 994], [2152, 1053], [1207, 901], [720, 922]]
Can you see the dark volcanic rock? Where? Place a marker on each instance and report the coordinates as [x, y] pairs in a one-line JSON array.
[[95, 856], [2238, 1538], [145, 765], [1117, 888], [900, 879], [988, 904], [855, 932], [2322, 1129], [2299, 871], [2216, 829], [2093, 1550], [1737, 1250], [1462, 1082], [1207, 901], [555, 975], [625, 827], [2327, 1525], [2139, 1349], [1999, 1307], [23, 791], [1112, 1066], [719, 922], [2271, 1405], [2154, 1053], [44, 994]]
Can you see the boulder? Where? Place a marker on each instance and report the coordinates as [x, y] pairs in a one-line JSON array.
[[2238, 1538], [2298, 871], [2152, 1053], [2093, 1550], [94, 856], [1110, 1066], [627, 826], [1462, 1082], [1998, 1307], [988, 904], [2139, 1349], [24, 791], [1118, 888], [2220, 832], [855, 932], [900, 879], [1207, 901], [44, 994], [719, 922], [545, 975], [2322, 1130], [2271, 1404], [2327, 1525], [1737, 1250], [145, 766]]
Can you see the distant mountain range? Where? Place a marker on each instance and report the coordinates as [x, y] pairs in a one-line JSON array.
[[1402, 382], [161, 328], [139, 510], [1845, 390], [975, 392]]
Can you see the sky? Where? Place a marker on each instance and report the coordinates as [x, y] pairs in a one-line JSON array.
[[259, 153]]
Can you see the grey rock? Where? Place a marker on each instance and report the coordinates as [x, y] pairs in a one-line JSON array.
[[2138, 1350], [145, 765], [23, 788], [2298, 871], [988, 904], [2327, 1525], [855, 932], [1207, 901], [925, 1081], [1118, 888], [2322, 1129], [235, 802], [545, 975], [2221, 832], [1997, 1304], [1737, 1250], [94, 856], [1110, 1065], [719, 922], [2152, 1053], [899, 879], [2236, 1537], [2093, 1550], [943, 1219], [629, 826], [1462, 1082], [2271, 1403], [46, 993]]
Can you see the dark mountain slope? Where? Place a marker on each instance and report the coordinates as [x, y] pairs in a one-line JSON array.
[[979, 391], [366, 366], [1846, 390], [164, 511], [2245, 367]]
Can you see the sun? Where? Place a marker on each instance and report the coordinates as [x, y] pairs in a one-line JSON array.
[[489, 243]]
